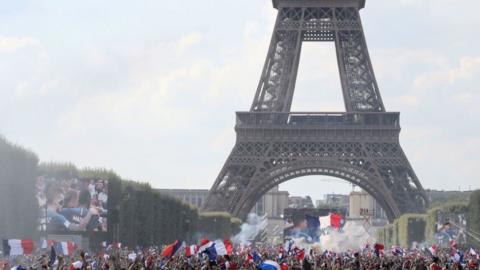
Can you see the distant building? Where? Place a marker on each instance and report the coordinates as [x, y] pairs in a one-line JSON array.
[[363, 205], [338, 201], [300, 202], [272, 203], [195, 197]]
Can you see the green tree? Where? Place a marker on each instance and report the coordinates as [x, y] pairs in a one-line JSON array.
[[18, 203], [473, 220]]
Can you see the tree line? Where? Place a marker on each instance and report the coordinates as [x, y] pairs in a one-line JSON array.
[[18, 204]]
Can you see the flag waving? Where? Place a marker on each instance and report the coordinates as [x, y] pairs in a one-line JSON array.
[[15, 247], [313, 223], [269, 265], [64, 248], [171, 249], [53, 256], [333, 220], [191, 250]]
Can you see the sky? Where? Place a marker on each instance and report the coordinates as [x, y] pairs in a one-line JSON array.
[[149, 89]]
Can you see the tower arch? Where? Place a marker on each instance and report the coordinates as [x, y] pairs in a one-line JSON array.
[[350, 174]]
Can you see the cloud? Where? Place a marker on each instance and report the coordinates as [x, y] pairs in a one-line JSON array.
[[9, 44], [148, 101], [187, 41], [466, 69], [223, 141], [438, 100], [27, 66], [419, 78]]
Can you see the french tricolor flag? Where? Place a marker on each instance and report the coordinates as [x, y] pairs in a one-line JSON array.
[[204, 245], [47, 244], [171, 249], [332, 220], [65, 248], [191, 250], [269, 265], [15, 247], [76, 265], [223, 247]]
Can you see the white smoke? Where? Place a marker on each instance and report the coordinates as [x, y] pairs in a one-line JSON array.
[[353, 236], [249, 230]]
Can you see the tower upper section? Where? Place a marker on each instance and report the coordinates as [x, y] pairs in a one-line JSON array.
[[359, 4]]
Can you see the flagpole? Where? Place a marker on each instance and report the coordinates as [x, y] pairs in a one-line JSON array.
[[46, 217]]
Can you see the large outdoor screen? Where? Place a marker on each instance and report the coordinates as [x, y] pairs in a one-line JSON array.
[[71, 204], [450, 227], [296, 224]]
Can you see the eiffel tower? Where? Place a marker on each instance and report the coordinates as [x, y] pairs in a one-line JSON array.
[[360, 145]]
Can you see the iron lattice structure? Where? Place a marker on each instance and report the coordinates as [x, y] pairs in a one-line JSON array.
[[275, 145]]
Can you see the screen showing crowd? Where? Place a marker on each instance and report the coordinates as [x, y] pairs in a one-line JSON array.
[[298, 223], [71, 204]]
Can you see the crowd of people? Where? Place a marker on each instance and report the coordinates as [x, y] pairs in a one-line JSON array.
[[248, 257]]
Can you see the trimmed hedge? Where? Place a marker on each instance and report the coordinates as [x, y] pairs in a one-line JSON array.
[[473, 219], [404, 231], [236, 225], [381, 235], [411, 228], [18, 201], [215, 225], [387, 235]]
